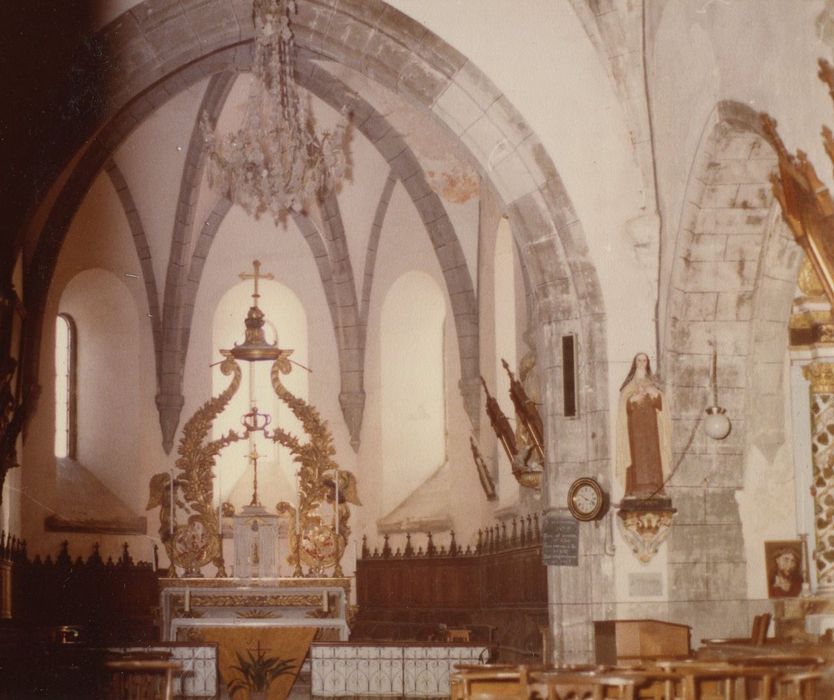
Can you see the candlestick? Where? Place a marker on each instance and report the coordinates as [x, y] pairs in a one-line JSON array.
[[337, 568]]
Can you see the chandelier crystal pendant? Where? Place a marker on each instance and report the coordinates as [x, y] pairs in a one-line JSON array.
[[277, 161]]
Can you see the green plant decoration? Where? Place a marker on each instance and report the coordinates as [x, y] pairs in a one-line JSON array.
[[258, 671]]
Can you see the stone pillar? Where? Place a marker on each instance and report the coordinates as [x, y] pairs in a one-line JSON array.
[[821, 376]]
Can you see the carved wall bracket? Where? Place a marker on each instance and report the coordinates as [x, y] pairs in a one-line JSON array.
[[645, 524]]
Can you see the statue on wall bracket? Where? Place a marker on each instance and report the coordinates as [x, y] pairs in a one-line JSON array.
[[524, 445], [190, 525], [643, 458]]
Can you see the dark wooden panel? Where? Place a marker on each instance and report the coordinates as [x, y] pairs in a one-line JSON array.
[[498, 594], [504, 579]]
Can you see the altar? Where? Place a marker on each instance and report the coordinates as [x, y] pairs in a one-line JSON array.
[[262, 621], [189, 604]]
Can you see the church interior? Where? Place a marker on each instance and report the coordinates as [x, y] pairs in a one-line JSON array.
[[395, 340]]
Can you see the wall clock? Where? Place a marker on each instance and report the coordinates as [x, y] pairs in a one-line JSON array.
[[586, 499]]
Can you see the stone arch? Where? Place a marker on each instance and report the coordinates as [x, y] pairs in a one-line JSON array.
[[144, 67], [732, 284]]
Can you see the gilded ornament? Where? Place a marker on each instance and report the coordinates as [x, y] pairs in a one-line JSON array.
[[645, 531], [195, 543], [821, 376], [313, 541], [809, 281]]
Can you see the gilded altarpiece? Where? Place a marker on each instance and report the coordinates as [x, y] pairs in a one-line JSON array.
[[318, 520]]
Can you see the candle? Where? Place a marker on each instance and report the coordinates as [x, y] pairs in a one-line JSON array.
[[325, 602], [337, 513], [171, 523], [187, 600]]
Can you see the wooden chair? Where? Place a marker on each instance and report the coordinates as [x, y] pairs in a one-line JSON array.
[[481, 682], [798, 685], [783, 661], [761, 624], [142, 679], [562, 684], [457, 634], [758, 633], [707, 680]]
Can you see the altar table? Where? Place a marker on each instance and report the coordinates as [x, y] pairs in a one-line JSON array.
[[319, 603]]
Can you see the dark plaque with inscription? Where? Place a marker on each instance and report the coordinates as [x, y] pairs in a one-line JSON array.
[[560, 540]]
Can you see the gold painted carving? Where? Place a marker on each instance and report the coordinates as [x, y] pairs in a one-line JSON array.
[[809, 281], [296, 600], [821, 376], [196, 542], [810, 319], [255, 614], [807, 206], [319, 545]]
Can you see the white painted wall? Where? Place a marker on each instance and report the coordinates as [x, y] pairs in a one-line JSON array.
[[413, 385]]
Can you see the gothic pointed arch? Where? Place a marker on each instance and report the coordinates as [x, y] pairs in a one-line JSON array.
[[402, 56]]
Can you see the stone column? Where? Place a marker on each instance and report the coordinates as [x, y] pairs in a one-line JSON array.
[[821, 376]]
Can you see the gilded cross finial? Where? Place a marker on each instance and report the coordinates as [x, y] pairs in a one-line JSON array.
[[257, 276]]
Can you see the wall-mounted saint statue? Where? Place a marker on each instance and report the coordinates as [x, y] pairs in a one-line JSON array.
[[644, 444]]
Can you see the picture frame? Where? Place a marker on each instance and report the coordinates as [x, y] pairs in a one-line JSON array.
[[784, 567]]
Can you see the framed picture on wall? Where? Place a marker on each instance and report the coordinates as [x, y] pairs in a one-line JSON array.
[[783, 561]]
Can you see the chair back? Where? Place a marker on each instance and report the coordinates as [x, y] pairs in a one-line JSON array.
[[569, 684], [142, 679], [761, 624]]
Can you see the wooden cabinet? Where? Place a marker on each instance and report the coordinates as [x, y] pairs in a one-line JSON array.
[[634, 640]]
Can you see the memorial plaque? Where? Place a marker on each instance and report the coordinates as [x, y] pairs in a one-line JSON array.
[[560, 540]]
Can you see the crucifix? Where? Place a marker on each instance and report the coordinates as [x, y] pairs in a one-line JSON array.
[[253, 457], [256, 275]]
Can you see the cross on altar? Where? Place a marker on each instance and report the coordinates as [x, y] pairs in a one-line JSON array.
[[256, 275], [258, 649], [253, 457]]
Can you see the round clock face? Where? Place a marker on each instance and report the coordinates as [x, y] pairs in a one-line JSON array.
[[585, 499]]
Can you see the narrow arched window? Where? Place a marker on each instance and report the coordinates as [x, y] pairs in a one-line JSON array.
[[286, 324], [65, 377]]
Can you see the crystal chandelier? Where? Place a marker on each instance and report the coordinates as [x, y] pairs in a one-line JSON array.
[[277, 160]]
